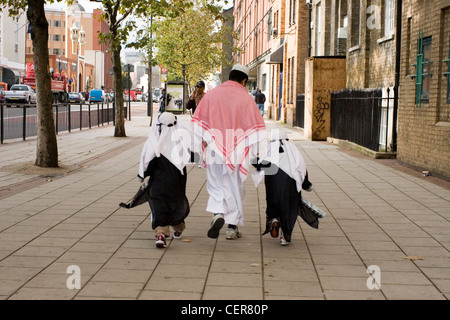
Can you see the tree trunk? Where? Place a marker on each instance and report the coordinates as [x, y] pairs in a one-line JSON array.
[[119, 129], [47, 147]]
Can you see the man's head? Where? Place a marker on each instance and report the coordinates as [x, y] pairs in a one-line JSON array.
[[200, 86], [239, 73]]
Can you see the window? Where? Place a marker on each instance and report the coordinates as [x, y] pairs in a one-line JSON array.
[[292, 11], [292, 80], [288, 80], [423, 70], [319, 26], [56, 37], [57, 23], [56, 51], [356, 23], [389, 17]]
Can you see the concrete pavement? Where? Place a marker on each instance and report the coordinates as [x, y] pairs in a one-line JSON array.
[[63, 228]]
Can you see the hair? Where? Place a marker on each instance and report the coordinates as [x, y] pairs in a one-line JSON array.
[[238, 76]]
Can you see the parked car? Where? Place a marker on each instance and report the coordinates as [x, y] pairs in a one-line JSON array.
[[20, 93], [76, 97], [97, 95]]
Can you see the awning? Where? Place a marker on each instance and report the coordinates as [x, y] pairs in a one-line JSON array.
[[277, 56]]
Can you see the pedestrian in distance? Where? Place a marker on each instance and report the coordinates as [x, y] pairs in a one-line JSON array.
[[163, 160], [260, 98], [227, 128], [285, 175], [196, 96], [162, 101]]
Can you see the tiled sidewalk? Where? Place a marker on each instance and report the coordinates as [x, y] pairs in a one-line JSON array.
[[377, 216]]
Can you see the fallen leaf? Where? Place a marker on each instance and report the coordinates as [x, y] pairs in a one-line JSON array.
[[186, 240], [413, 258]]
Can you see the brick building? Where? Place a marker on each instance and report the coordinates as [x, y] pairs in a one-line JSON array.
[[93, 59], [289, 49], [398, 48], [252, 22], [424, 104]]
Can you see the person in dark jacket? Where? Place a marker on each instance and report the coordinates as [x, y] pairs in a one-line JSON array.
[[260, 98], [196, 96]]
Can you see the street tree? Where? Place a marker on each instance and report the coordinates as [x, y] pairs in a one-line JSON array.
[[191, 44], [117, 14], [47, 146]]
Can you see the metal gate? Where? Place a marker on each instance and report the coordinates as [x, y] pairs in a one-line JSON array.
[[356, 116]]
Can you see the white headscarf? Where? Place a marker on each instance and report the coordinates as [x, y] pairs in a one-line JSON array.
[[167, 137], [290, 161]]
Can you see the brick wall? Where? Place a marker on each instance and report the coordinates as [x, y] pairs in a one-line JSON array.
[[424, 130], [296, 43], [370, 52]]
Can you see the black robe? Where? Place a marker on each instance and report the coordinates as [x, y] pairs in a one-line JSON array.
[[165, 191], [284, 202]]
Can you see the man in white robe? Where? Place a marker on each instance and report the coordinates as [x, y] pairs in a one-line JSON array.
[[227, 127]]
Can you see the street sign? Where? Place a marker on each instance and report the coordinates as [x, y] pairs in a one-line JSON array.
[[128, 68]]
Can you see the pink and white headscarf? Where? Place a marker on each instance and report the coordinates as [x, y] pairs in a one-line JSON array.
[[228, 121]]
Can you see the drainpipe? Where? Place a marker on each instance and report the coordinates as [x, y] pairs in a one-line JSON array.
[[398, 46]]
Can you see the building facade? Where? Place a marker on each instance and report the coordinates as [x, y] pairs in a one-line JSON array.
[[253, 23], [424, 104], [86, 65], [398, 48], [289, 49], [12, 47]]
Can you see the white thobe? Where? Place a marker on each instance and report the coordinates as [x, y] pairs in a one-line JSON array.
[[226, 188], [226, 193]]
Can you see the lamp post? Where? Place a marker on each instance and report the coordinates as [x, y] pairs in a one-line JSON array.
[[79, 36]]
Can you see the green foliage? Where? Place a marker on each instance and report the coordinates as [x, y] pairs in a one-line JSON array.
[[188, 42]]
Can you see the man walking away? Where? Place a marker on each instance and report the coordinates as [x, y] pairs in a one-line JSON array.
[[227, 128], [260, 98]]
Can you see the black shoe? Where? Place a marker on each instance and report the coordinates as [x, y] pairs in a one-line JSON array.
[[216, 224]]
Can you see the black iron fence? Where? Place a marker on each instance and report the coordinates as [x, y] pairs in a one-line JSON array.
[[20, 121], [356, 116]]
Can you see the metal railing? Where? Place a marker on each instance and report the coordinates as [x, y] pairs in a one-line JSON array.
[[20, 121], [356, 116]]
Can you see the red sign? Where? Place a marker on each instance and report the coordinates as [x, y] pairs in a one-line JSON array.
[[30, 70]]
